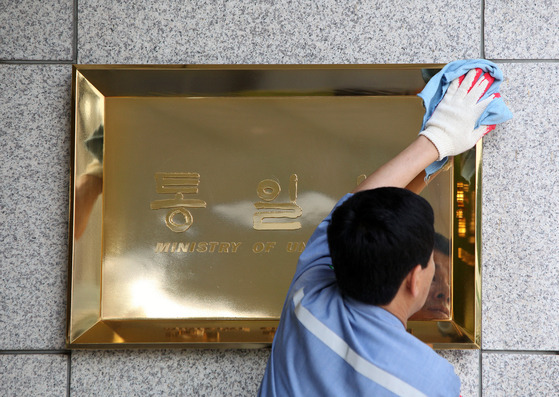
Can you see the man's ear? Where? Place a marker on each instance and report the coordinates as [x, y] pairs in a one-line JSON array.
[[413, 281]]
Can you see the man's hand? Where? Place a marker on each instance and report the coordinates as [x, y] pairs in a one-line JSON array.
[[450, 131], [451, 128]]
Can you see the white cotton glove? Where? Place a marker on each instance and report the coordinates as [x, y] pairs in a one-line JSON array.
[[451, 127]]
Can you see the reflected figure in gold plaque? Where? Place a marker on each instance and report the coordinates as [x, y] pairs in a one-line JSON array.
[[89, 185], [437, 306]]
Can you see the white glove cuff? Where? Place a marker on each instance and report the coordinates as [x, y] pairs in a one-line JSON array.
[[438, 138]]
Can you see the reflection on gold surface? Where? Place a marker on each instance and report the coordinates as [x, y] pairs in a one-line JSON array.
[[437, 306], [195, 190]]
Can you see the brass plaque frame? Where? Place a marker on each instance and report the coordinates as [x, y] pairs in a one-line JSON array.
[[133, 104]]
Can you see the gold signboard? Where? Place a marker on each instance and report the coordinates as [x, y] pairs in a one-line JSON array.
[[195, 188]]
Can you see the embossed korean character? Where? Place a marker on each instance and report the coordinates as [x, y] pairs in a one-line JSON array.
[[268, 190], [179, 218]]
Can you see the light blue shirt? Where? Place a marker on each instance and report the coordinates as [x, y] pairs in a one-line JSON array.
[[327, 345]]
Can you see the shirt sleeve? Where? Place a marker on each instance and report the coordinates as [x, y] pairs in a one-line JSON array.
[[317, 252]]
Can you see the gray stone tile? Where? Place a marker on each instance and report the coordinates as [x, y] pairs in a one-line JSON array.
[[24, 375], [521, 29], [35, 30], [520, 210], [285, 31], [466, 366], [202, 372], [170, 372], [521, 375], [34, 169]]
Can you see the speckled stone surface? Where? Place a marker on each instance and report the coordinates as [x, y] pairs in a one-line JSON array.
[[34, 30], [520, 375], [202, 372], [520, 211], [168, 372], [521, 29], [30, 375], [520, 202], [34, 169], [466, 366], [285, 31]]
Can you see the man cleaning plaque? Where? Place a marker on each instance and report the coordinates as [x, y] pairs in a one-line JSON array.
[[369, 265]]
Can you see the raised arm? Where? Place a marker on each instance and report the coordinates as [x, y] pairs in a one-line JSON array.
[[403, 168], [449, 132]]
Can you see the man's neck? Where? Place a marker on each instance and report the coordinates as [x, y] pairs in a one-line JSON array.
[[398, 309]]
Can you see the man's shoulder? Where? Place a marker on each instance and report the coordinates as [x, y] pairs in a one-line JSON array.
[[431, 371], [328, 326]]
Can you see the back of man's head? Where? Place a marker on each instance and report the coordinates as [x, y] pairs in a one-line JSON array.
[[376, 238]]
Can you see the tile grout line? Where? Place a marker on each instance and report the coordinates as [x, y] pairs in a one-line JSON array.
[[523, 352], [28, 352], [480, 374], [482, 50], [482, 32], [69, 375], [534, 60], [36, 62], [75, 43], [72, 61]]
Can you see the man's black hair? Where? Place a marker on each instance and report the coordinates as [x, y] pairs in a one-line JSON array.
[[442, 244], [376, 238]]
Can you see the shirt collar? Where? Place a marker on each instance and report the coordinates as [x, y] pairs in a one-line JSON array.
[[375, 311]]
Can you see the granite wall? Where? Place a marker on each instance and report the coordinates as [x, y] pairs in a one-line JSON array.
[[40, 40]]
